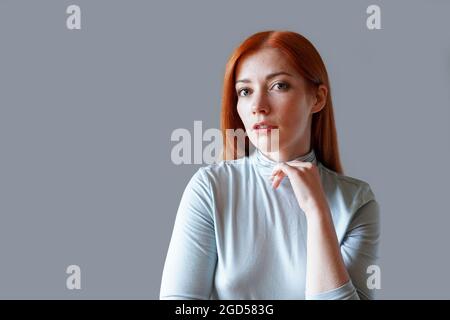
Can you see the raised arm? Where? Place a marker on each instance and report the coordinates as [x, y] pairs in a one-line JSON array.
[[358, 251], [334, 270]]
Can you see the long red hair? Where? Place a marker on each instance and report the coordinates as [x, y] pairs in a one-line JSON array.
[[308, 62]]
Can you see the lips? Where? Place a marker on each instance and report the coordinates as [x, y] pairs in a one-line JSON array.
[[264, 126]]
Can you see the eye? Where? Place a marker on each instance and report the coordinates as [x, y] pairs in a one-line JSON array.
[[281, 86], [243, 92]]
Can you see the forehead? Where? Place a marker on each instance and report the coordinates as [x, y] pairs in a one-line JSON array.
[[263, 62]]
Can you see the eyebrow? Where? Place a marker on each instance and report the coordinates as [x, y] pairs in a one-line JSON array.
[[272, 75]]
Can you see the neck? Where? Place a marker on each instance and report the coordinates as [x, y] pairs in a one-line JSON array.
[[286, 155]]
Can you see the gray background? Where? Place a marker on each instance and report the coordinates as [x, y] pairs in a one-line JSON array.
[[86, 117]]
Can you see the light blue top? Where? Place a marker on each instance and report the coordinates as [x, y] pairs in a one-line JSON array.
[[235, 237]]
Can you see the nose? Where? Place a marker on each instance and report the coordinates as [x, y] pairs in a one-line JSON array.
[[260, 104]]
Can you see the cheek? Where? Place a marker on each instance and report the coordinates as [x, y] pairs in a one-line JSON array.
[[294, 119], [289, 111], [297, 110], [242, 113]]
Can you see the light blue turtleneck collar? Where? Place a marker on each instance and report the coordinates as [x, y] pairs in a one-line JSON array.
[[266, 164], [263, 160]]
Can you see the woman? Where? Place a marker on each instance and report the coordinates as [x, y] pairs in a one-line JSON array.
[[277, 223]]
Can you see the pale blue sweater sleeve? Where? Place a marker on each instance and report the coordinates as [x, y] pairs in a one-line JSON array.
[[189, 267], [359, 250]]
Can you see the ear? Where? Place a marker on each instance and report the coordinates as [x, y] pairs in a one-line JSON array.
[[320, 99]]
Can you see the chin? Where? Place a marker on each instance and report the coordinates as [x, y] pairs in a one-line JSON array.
[[264, 146]]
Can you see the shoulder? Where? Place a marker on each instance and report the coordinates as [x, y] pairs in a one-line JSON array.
[[224, 170], [354, 192], [210, 184]]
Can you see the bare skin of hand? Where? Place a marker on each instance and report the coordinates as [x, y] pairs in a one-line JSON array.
[[305, 181]]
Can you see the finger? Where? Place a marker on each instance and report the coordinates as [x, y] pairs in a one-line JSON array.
[[280, 168], [284, 168], [299, 164], [272, 178], [277, 181], [276, 177], [278, 174]]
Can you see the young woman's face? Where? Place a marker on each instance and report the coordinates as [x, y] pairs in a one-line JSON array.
[[271, 91]]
